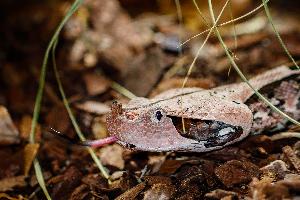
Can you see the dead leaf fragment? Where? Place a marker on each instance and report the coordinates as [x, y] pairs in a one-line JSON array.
[[95, 181], [116, 175], [171, 166], [65, 184], [25, 127], [191, 181], [6, 196], [272, 192], [30, 152], [284, 189], [98, 128], [156, 161], [236, 172], [160, 191], [154, 62], [7, 184], [8, 132], [95, 83], [58, 118], [291, 181], [276, 170], [80, 192], [112, 155], [132, 193], [292, 157], [94, 107], [221, 194], [152, 180]]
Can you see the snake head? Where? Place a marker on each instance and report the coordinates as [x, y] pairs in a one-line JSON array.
[[145, 128]]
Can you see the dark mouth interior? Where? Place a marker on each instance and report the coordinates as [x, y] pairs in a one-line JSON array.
[[213, 133]]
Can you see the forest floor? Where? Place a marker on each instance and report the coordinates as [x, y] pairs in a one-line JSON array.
[[133, 44]]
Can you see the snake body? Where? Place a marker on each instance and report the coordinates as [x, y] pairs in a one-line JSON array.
[[285, 95], [197, 120]]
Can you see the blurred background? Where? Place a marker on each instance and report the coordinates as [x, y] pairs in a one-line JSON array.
[[111, 43]]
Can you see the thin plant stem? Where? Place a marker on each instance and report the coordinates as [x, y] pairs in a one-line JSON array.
[[72, 117], [39, 95], [225, 23], [195, 58], [122, 90]]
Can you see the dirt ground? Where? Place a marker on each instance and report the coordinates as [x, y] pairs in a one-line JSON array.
[[134, 44]]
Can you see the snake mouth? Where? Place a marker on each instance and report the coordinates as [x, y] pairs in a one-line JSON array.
[[210, 132], [127, 145]]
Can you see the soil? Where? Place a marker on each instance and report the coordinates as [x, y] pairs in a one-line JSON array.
[[134, 44]]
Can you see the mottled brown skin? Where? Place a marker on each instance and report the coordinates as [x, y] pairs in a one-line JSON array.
[[212, 118], [285, 95]]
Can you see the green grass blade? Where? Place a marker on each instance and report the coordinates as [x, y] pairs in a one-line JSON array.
[[242, 75], [39, 95], [267, 11], [72, 117], [40, 178], [122, 90]]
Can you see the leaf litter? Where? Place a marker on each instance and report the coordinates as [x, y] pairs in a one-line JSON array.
[[109, 41]]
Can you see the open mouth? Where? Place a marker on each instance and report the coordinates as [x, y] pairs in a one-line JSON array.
[[213, 133]]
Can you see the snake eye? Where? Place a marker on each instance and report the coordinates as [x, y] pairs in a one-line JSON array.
[[158, 115]]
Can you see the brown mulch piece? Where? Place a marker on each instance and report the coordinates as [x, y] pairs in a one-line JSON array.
[[63, 185], [221, 194], [279, 190], [8, 132], [8, 184], [291, 157], [111, 41], [236, 172]]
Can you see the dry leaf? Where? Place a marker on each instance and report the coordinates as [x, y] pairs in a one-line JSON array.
[[6, 196], [7, 184], [93, 107], [112, 155], [160, 191], [98, 128], [95, 83], [8, 132], [221, 194], [58, 118], [30, 152], [236, 172], [132, 193], [25, 127]]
